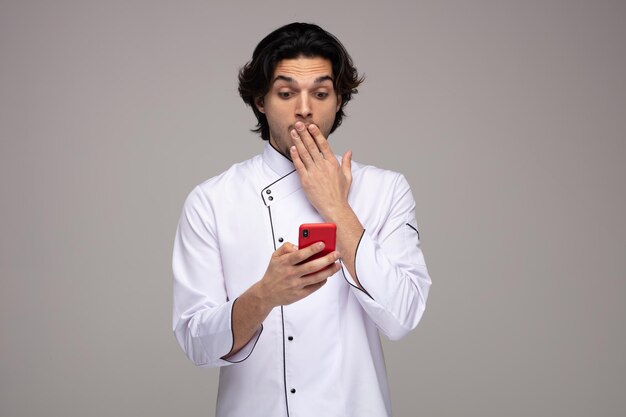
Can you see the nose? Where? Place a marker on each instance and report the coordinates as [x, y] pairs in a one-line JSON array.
[[303, 106]]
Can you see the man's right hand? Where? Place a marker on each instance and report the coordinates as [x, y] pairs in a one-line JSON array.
[[289, 277]]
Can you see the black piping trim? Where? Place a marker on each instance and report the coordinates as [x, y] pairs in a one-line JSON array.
[[232, 307], [416, 231], [251, 350], [282, 315], [232, 333], [356, 277], [269, 185], [269, 211]]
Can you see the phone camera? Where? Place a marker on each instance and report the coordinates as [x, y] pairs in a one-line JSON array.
[[305, 233]]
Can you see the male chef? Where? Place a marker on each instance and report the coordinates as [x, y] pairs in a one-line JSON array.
[[294, 336]]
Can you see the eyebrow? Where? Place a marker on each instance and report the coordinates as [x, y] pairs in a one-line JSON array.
[[290, 80]]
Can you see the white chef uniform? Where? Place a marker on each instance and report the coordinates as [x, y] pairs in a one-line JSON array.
[[320, 356]]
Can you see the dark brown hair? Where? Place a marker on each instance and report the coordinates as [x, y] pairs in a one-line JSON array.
[[289, 42]]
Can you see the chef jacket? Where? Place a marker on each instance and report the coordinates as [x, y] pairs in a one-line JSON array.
[[320, 356]]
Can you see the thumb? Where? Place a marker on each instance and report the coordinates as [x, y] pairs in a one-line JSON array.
[[285, 248]]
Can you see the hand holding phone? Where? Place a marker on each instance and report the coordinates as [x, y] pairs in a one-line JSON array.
[[311, 233]]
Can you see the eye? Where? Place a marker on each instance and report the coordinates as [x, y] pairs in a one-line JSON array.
[[321, 95], [284, 94]]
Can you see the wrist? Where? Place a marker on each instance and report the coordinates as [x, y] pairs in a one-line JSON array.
[[339, 214], [261, 298]]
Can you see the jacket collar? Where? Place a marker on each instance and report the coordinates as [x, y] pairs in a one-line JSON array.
[[286, 181], [278, 162]]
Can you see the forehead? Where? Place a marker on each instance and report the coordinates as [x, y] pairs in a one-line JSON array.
[[304, 68]]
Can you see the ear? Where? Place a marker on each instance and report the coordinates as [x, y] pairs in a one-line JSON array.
[[339, 101], [259, 103]]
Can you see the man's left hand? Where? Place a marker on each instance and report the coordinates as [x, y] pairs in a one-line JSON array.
[[325, 182]]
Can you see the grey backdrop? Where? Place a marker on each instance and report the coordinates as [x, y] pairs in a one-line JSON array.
[[507, 117]]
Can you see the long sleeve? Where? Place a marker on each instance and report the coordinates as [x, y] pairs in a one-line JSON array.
[[202, 310], [391, 269]]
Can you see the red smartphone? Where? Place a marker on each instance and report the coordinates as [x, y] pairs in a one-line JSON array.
[[311, 233]]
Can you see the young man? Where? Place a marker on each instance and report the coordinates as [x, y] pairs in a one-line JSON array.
[[295, 336]]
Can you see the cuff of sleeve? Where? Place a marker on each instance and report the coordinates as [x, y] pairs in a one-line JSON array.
[[355, 286], [245, 351], [393, 298], [365, 245], [220, 339]]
